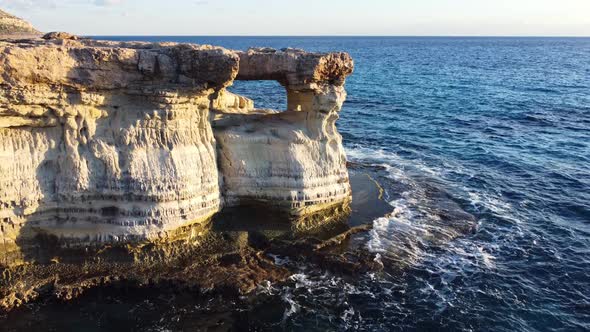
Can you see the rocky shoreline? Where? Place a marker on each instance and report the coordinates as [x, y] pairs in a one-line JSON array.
[[130, 162], [231, 258]]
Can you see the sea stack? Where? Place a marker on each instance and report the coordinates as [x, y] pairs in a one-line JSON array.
[[107, 143]]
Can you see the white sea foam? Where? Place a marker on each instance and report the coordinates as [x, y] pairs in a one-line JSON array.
[[301, 280], [493, 203], [380, 157], [486, 258], [293, 308], [414, 224], [397, 169], [278, 260], [349, 320], [377, 260], [266, 287]]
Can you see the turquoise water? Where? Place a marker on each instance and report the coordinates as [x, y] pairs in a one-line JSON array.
[[502, 127]]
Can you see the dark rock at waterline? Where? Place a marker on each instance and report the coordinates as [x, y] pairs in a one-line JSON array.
[[56, 35], [231, 258]]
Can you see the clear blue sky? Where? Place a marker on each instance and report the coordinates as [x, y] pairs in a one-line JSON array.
[[307, 17]]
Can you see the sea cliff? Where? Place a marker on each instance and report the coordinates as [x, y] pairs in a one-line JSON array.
[[132, 152], [105, 142]]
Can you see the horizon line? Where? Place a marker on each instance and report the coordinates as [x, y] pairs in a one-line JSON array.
[[344, 36]]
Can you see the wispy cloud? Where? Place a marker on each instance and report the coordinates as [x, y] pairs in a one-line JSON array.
[[33, 5], [28, 4], [106, 3]]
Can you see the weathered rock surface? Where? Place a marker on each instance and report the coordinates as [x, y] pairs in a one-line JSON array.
[[233, 255], [295, 158], [59, 35], [104, 142], [12, 25]]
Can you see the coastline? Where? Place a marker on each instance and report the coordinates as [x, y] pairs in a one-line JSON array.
[[228, 255]]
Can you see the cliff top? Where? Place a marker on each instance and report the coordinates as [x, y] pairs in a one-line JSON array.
[[63, 59], [60, 58]]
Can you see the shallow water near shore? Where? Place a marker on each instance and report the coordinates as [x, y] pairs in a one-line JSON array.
[[493, 132]]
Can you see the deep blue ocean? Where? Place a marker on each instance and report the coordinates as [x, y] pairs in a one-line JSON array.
[[502, 126]]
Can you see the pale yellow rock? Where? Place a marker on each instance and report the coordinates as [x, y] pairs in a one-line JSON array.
[[105, 142], [294, 159], [98, 144], [11, 25]]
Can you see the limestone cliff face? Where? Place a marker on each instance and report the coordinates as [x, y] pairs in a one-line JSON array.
[[105, 142], [12, 25], [294, 158]]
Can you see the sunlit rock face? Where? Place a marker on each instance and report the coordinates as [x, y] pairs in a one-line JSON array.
[[107, 142], [12, 25], [294, 159], [104, 142]]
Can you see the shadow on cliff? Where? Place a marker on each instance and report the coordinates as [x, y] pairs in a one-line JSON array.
[[25, 246], [32, 244], [258, 219]]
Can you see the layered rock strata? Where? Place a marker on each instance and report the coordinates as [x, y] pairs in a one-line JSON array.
[[292, 159], [104, 142]]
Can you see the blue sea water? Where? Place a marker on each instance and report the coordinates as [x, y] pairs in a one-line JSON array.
[[502, 125]]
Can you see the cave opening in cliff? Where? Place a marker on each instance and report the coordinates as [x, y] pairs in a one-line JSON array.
[[265, 94]]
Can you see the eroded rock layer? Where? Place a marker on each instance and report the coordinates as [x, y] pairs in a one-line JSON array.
[[294, 158], [105, 142]]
